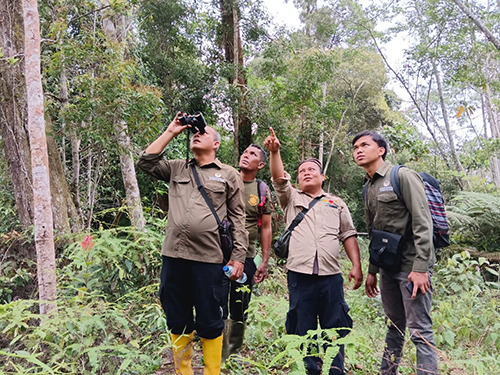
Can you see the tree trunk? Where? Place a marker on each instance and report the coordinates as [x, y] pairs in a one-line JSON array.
[[65, 215], [13, 108], [414, 99], [44, 235], [130, 179], [75, 149], [322, 134], [495, 133], [449, 135], [13, 120], [480, 25], [115, 29], [231, 39]]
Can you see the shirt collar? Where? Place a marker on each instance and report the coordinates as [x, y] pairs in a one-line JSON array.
[[381, 171], [320, 194], [215, 163]]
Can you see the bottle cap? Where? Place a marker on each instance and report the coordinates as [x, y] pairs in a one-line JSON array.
[[225, 268]]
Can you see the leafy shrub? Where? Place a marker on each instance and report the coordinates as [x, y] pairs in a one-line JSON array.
[[83, 337], [475, 220], [466, 314], [118, 261]]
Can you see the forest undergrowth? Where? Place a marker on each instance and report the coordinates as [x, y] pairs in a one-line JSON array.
[[109, 319]]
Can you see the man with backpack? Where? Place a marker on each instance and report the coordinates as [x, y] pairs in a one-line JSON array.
[[258, 209], [401, 250]]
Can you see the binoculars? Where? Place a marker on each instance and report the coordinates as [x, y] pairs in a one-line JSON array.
[[197, 122]]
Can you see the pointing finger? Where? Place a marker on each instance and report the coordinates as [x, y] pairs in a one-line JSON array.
[[272, 132]]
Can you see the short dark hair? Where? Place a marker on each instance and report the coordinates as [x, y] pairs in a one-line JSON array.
[[263, 155], [381, 142]]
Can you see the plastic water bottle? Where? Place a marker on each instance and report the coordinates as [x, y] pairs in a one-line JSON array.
[[228, 270]]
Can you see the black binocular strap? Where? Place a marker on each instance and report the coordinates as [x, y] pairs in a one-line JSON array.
[[204, 194]]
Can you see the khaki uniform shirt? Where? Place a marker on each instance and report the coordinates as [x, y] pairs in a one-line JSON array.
[[412, 219], [327, 224], [252, 213], [192, 231]]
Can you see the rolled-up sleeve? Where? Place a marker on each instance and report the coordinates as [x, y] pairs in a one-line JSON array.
[[347, 228], [154, 165], [283, 189]]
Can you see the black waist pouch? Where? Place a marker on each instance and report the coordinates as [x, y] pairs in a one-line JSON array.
[[386, 250], [226, 239], [282, 244]]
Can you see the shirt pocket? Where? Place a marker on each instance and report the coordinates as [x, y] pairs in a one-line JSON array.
[[216, 193], [329, 216], [179, 186], [388, 206]]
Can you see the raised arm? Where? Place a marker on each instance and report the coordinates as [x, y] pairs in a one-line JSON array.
[[173, 130], [275, 164]]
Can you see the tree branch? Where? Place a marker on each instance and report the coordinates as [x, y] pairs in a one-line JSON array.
[[478, 23]]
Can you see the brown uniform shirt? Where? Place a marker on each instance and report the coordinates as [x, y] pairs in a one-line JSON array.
[[412, 219], [192, 232], [327, 224]]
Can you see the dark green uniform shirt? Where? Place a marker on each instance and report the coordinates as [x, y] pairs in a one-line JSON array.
[[411, 219], [252, 213], [192, 232]]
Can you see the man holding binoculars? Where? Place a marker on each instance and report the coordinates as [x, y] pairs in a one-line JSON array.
[[192, 258]]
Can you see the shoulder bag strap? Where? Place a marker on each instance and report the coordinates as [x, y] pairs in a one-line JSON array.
[[300, 216], [204, 193]]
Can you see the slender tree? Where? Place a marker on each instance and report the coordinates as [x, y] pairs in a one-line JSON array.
[[13, 108], [231, 39], [13, 121], [44, 235], [115, 27]]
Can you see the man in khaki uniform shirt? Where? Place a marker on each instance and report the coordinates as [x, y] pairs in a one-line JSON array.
[[315, 282], [412, 219], [192, 273]]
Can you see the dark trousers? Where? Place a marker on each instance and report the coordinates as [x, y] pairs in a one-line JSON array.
[[238, 299], [187, 284], [314, 297]]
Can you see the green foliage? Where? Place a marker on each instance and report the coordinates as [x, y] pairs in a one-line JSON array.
[[475, 219], [83, 337], [8, 211], [463, 274], [405, 139], [109, 319], [17, 278], [120, 260], [466, 320]]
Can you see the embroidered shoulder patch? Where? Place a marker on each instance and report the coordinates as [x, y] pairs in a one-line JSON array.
[[253, 200]]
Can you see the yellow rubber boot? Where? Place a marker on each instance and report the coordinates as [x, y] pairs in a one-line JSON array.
[[212, 352], [182, 346]]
